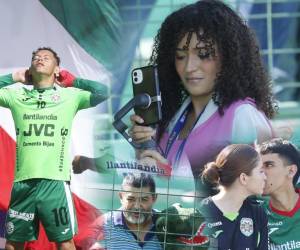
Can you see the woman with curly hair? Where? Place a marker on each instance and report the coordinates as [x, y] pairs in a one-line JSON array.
[[214, 87], [233, 219]]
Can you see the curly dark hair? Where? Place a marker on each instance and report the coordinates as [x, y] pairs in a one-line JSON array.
[[242, 72], [49, 49]]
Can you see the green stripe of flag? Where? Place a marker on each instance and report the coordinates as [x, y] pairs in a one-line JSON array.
[[94, 24]]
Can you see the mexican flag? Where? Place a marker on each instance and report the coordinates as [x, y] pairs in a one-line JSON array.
[[96, 40]]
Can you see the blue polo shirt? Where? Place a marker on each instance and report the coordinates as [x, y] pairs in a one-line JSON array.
[[118, 235]]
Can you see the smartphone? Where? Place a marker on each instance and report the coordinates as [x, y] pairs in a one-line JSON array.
[[145, 80]]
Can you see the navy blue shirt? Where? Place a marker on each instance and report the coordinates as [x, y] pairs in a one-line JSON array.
[[248, 231]]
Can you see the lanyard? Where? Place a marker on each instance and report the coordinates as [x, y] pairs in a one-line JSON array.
[[175, 132]]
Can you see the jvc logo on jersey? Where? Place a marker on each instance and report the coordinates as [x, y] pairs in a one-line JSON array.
[[40, 129]]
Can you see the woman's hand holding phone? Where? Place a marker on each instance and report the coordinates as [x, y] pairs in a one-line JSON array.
[[138, 132], [141, 134]]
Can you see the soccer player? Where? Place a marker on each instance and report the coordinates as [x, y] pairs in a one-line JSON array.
[[43, 117]]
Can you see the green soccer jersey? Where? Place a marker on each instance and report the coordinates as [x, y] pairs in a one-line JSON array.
[[43, 121], [284, 227]]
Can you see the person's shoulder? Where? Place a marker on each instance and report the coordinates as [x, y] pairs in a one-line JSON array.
[[206, 205], [206, 200], [250, 124], [257, 206], [18, 89], [68, 90], [245, 112], [18, 92], [255, 201], [108, 217], [248, 110]]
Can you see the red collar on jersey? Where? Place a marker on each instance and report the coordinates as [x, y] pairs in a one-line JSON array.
[[288, 213]]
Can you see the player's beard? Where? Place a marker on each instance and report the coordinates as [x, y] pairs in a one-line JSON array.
[[143, 215]]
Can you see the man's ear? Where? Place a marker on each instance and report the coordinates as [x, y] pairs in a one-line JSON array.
[[292, 171], [30, 70], [56, 72], [28, 74], [154, 197]]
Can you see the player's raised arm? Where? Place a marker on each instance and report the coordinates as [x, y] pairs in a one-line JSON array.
[[99, 91]]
